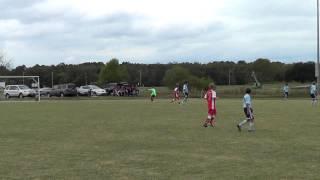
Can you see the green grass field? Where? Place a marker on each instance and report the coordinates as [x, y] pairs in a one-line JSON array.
[[135, 139]]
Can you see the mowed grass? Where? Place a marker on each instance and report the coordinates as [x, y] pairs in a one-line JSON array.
[[136, 139]]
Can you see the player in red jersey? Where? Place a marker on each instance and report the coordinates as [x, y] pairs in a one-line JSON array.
[[211, 97], [176, 94]]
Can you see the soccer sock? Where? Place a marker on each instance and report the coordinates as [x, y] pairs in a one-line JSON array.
[[243, 122], [212, 122]]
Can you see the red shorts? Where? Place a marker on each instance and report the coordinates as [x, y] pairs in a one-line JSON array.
[[176, 96], [212, 112]]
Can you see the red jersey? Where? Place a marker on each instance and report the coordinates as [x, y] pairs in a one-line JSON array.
[[211, 97], [176, 93]]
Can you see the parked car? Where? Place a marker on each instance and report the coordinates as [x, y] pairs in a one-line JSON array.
[[91, 90], [45, 91], [20, 91], [62, 90], [110, 88]]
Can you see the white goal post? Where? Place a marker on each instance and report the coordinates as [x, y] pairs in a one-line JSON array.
[[35, 82]]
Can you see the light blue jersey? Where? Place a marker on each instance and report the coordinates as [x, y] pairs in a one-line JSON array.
[[286, 89], [313, 89], [247, 101], [185, 88]]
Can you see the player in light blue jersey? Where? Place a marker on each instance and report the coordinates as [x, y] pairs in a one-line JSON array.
[[185, 91], [286, 91], [313, 93], [248, 111]]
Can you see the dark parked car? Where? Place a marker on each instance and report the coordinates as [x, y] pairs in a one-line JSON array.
[[110, 88], [62, 90]]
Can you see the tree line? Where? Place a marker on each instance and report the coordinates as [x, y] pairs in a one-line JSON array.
[[220, 72]]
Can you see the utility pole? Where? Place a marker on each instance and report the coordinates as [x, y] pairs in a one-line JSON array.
[[318, 53], [229, 77], [86, 78], [23, 77], [140, 78], [52, 79]]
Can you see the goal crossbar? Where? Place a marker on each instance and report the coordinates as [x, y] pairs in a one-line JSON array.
[[14, 77]]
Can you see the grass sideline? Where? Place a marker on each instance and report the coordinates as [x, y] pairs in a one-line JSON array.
[[119, 139]]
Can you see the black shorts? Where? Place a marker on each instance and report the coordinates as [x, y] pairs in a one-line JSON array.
[[245, 110], [186, 94], [313, 96], [286, 94], [153, 96]]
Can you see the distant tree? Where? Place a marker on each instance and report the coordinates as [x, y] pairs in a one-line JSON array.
[[198, 74], [241, 73], [301, 72], [113, 72], [177, 74], [5, 65], [199, 83], [263, 69], [5, 61]]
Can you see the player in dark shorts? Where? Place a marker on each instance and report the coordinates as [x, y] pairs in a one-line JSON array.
[[313, 93], [185, 90], [286, 91], [248, 111], [153, 94]]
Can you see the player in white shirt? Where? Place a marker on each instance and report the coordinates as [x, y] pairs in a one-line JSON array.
[[286, 91], [247, 106], [313, 93], [185, 91]]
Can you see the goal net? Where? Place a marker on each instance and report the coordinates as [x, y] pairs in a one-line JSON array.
[[20, 88]]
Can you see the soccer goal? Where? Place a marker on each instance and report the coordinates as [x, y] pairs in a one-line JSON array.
[[20, 88]]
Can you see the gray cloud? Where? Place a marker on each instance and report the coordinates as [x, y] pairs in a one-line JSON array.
[[281, 30]]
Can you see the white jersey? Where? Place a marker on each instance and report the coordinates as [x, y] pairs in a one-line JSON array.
[[185, 88], [286, 89], [313, 89], [247, 101]]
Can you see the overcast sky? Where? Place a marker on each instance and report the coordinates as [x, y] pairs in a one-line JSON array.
[[157, 31]]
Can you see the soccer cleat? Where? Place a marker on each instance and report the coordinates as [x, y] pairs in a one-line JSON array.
[[205, 125], [239, 128]]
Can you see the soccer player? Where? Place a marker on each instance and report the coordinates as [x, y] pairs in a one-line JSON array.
[[286, 91], [211, 97], [313, 93], [185, 92], [247, 105], [176, 94], [153, 94]]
